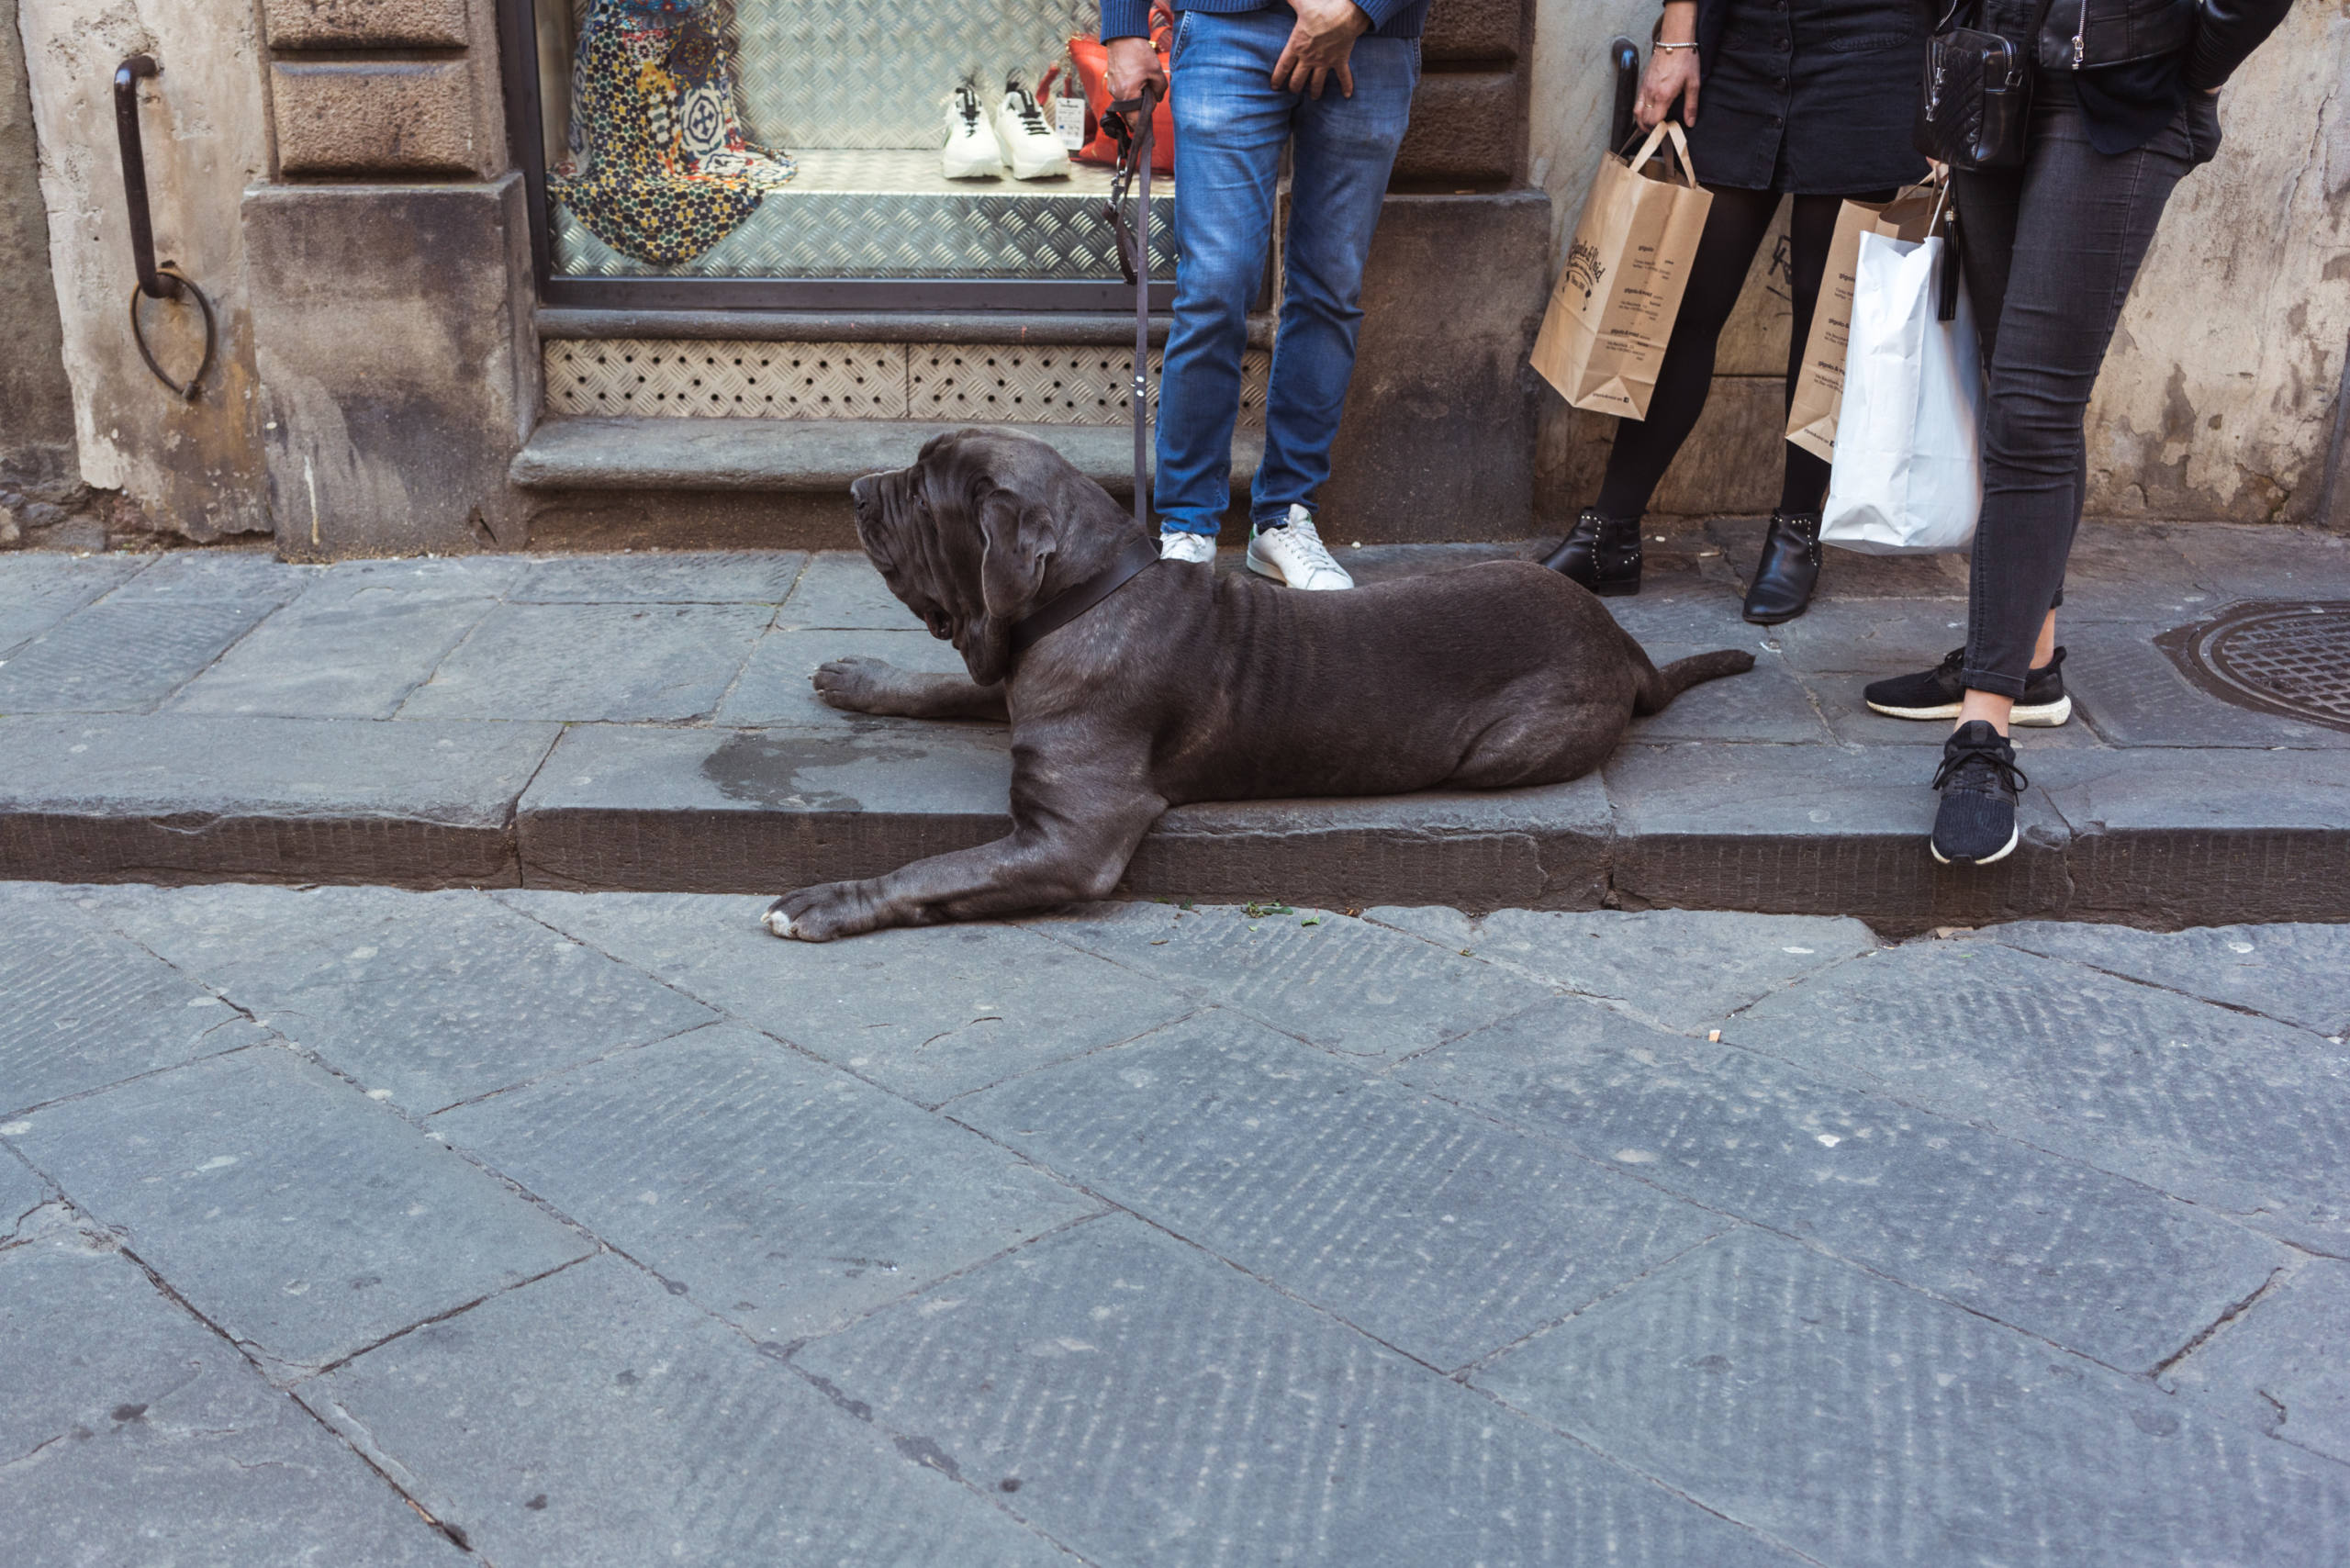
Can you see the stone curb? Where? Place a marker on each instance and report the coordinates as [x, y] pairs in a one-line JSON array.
[[2148, 837]]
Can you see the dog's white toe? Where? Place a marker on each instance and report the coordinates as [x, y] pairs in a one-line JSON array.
[[780, 924]]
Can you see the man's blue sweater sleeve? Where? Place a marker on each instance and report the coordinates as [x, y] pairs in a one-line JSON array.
[[1125, 19], [1381, 12]]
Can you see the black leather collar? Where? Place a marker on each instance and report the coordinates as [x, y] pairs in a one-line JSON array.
[[1081, 596]]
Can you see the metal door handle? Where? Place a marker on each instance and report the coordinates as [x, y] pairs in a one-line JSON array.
[[155, 282]]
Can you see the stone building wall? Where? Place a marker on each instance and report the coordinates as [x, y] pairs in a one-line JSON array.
[[36, 402], [2224, 397]]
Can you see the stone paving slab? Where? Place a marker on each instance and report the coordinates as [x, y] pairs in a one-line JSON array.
[[1682, 968], [658, 1435], [21, 1194], [1337, 982], [2107, 1267], [751, 811], [1155, 1408], [179, 797], [2133, 696], [2300, 974], [1798, 830], [1544, 848], [608, 663], [755, 576], [298, 664], [1767, 703], [86, 1009], [135, 1435], [303, 1221], [784, 1196], [841, 591], [364, 584], [964, 1006], [422, 999], [215, 576], [123, 656], [2168, 838], [38, 590], [2279, 1367], [2249, 1117], [775, 690], [1777, 1387], [1427, 1227]]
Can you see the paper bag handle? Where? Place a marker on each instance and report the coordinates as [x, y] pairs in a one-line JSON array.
[[1680, 149]]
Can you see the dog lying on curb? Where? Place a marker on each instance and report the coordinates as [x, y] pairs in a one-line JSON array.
[[1182, 684]]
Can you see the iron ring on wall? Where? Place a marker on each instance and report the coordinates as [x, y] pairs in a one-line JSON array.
[[188, 389]]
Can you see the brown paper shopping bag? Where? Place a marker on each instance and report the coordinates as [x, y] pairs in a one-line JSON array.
[[1612, 307], [1819, 386]]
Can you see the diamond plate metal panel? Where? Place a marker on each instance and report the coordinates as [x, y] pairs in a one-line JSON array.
[[745, 380], [1047, 386], [846, 73], [885, 215], [977, 382]]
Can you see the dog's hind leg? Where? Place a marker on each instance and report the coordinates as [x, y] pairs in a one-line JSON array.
[[861, 684]]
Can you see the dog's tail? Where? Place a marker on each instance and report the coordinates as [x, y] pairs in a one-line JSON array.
[[1658, 688]]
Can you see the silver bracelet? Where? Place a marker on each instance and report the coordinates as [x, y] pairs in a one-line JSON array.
[[1661, 44]]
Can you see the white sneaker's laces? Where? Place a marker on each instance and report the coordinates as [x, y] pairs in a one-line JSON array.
[[1306, 541]]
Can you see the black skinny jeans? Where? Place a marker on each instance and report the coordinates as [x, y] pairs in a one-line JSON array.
[[2051, 249], [1735, 226]]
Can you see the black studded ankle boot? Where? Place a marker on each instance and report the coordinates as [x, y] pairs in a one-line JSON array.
[[1789, 568], [1601, 553]]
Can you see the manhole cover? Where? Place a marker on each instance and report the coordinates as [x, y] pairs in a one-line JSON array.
[[2286, 656]]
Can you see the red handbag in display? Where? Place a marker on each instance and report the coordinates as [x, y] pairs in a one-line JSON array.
[[1094, 74]]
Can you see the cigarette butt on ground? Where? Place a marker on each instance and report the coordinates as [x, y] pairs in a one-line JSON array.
[[1713, 1036]]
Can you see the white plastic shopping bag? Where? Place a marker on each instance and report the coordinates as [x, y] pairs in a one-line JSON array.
[[1908, 477]]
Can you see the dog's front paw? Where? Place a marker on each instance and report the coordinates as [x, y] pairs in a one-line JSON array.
[[857, 683], [818, 913]]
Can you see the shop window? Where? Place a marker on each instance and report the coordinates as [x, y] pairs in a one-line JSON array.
[[812, 152]]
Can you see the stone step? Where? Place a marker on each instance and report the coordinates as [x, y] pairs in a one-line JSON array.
[[695, 482], [2144, 836]]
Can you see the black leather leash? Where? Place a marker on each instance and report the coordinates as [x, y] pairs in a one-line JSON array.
[[1129, 120], [1138, 556]]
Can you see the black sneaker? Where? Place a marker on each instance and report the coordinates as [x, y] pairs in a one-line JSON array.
[[1935, 693], [1978, 779]]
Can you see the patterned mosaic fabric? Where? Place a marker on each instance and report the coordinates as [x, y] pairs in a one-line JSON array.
[[659, 168]]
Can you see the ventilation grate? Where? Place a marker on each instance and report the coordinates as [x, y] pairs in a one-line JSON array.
[[980, 383]]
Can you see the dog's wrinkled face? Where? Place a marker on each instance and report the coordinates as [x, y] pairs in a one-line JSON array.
[[963, 537]]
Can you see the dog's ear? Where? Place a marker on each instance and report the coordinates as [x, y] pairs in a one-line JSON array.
[[1017, 546]]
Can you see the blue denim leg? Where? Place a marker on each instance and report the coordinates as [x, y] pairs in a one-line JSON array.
[[1345, 148], [1231, 125]]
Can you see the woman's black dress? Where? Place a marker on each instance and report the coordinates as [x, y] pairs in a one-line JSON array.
[[1811, 97]]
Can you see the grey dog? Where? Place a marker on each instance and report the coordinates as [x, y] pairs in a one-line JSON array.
[[1185, 684]]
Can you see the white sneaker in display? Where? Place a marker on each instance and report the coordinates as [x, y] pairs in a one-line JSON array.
[[1175, 544], [973, 151], [1294, 554], [1030, 144]]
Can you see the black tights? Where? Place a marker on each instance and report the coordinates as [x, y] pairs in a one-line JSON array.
[[1735, 224]]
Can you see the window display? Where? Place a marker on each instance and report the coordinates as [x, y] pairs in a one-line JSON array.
[[822, 139]]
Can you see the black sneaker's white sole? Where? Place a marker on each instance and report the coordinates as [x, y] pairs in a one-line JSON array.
[[2032, 716], [2015, 836]]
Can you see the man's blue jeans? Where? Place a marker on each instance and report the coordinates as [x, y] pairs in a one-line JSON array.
[[1230, 126]]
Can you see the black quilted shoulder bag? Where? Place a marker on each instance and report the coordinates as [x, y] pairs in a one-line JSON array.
[[1976, 109]]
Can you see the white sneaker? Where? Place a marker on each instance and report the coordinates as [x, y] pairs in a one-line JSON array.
[[1294, 554], [1030, 145], [1194, 549], [973, 151]]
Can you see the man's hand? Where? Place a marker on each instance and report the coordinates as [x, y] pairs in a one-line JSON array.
[[1318, 47], [1132, 62], [1671, 75]]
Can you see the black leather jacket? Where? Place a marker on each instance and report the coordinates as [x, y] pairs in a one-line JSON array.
[[2215, 35]]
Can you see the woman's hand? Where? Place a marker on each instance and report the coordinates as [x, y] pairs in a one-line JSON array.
[[1671, 78], [1671, 75]]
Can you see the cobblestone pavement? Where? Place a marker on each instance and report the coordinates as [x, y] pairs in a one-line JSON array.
[[349, 1226]]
